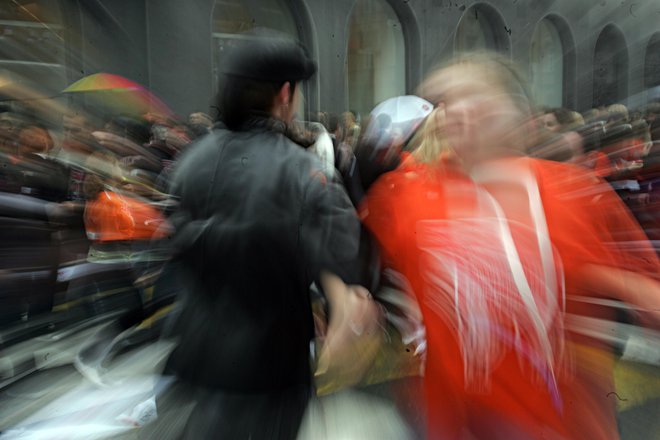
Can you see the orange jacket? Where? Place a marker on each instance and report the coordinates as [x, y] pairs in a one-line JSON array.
[[114, 217]]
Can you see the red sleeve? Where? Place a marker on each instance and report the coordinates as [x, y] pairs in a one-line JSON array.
[[379, 215], [589, 224]]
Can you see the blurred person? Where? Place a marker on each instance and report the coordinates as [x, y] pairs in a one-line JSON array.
[[630, 155], [491, 242], [178, 137], [654, 128], [624, 147], [34, 140], [572, 122], [158, 144], [594, 158], [345, 159], [9, 125], [200, 124], [127, 236], [592, 115], [396, 368], [549, 120], [115, 218], [652, 111], [141, 164], [346, 165], [652, 118], [200, 118], [642, 142], [322, 148], [128, 137], [158, 118], [135, 130], [321, 118], [351, 136], [349, 126], [76, 146], [567, 119], [334, 128], [77, 133], [617, 114], [256, 224], [556, 138], [638, 165], [569, 124], [31, 171], [168, 144], [348, 119], [636, 115]]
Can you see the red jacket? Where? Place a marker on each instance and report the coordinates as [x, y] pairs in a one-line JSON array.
[[580, 223]]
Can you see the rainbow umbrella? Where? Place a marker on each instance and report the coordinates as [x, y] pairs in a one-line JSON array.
[[119, 95], [103, 81]]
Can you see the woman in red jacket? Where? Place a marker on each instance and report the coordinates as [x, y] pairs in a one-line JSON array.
[[494, 244]]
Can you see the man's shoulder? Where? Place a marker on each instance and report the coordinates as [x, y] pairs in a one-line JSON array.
[[197, 148], [275, 149]]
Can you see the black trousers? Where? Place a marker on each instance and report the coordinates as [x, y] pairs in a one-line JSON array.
[[189, 412]]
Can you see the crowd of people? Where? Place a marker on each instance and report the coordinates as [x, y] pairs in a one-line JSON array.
[[481, 233], [142, 147], [616, 144]]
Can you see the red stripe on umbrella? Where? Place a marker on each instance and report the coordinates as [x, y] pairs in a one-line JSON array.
[[120, 95]]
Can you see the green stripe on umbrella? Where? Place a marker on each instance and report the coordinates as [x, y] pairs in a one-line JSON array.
[[119, 95]]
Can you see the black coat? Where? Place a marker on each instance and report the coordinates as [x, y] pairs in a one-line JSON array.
[[256, 224]]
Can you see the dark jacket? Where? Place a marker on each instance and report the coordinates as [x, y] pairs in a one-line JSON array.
[[256, 224]]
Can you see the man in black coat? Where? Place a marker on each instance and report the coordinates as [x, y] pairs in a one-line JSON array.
[[257, 223]]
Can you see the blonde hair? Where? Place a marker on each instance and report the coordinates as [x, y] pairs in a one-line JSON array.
[[618, 108], [429, 142]]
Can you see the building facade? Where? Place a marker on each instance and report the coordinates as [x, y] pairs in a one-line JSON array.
[[577, 54]]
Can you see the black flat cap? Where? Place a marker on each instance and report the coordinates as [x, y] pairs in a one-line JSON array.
[[269, 56]]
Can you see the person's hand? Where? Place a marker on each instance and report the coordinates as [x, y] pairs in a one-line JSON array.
[[353, 334]]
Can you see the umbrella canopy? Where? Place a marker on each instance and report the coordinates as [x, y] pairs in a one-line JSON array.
[[403, 108], [391, 124], [102, 81], [397, 117], [119, 95]]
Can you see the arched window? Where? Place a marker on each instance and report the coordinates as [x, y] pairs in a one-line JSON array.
[[234, 17], [481, 27], [32, 50], [652, 62], [376, 55], [610, 68], [547, 65]]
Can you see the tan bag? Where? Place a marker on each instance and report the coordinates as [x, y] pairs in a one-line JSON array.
[[353, 337]]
